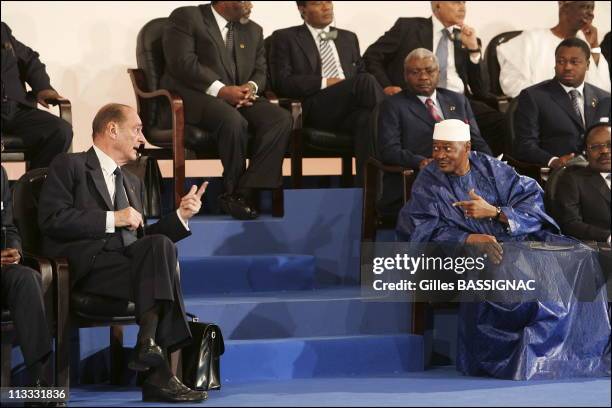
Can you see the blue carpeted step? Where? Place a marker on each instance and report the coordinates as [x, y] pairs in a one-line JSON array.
[[323, 312], [346, 356], [205, 275], [323, 223]]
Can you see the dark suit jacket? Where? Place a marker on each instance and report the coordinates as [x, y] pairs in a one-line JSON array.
[[196, 56], [295, 61], [583, 205], [385, 58], [546, 125], [20, 64], [72, 211], [405, 128], [9, 230]]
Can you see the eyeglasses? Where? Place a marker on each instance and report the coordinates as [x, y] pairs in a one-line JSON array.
[[599, 147]]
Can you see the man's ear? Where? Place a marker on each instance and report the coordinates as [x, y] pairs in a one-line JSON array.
[[113, 129]]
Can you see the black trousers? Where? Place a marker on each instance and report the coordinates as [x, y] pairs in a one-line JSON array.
[[492, 124], [145, 272], [22, 295], [347, 106], [264, 128], [43, 134]]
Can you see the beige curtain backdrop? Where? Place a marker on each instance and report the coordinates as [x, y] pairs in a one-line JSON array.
[[88, 46]]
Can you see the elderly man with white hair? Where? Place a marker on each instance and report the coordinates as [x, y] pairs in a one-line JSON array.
[[526, 59], [406, 121], [466, 197]]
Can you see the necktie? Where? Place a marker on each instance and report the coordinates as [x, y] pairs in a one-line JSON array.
[[328, 62], [432, 110], [575, 96], [122, 202], [229, 47], [442, 55]]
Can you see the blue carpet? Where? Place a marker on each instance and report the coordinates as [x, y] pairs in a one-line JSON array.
[[438, 387]]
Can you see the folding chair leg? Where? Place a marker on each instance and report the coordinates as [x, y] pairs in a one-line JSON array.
[[116, 354]]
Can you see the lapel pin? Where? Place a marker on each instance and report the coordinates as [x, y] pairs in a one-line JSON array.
[[451, 108], [242, 46], [594, 102]]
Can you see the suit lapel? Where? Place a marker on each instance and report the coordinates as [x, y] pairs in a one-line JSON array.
[[344, 49], [133, 198], [561, 98], [418, 108], [590, 105], [95, 172], [600, 185], [213, 30], [309, 47], [446, 106]]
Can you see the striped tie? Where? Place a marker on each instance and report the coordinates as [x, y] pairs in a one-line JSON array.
[[328, 62], [575, 96], [431, 108]]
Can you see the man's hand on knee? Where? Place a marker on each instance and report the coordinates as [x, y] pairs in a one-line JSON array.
[[10, 256], [233, 95], [128, 217]]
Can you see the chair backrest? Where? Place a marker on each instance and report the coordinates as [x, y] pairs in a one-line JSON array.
[[553, 182], [492, 62], [510, 133], [26, 193], [150, 59]]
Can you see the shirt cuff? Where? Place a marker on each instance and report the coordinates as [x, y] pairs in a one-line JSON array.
[[213, 90], [475, 57], [184, 222], [609, 238], [256, 87], [110, 222], [323, 83], [551, 160]]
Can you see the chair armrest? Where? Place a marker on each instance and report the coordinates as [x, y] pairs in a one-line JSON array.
[[65, 108], [532, 170], [292, 105]]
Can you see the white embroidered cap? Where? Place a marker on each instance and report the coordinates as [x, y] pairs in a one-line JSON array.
[[452, 130]]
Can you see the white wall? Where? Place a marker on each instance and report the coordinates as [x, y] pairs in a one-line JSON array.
[[87, 46]]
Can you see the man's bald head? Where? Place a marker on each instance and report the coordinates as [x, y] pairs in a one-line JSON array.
[[111, 112]]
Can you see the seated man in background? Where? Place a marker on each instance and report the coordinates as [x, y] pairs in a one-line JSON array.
[[459, 54], [582, 204], [321, 65], [43, 134], [552, 116], [406, 121], [22, 295], [466, 197], [215, 60], [525, 60], [90, 212]]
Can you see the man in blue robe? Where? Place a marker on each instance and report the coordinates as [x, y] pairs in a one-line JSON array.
[[466, 197]]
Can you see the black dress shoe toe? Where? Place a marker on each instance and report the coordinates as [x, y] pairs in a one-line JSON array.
[[174, 391], [146, 355], [237, 207]]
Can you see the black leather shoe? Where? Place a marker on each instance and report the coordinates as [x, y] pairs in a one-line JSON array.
[[174, 391], [146, 355], [237, 206]]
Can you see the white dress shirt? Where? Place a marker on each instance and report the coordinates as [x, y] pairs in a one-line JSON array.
[[108, 166], [453, 80], [606, 179], [315, 35], [434, 98], [567, 90], [530, 59], [215, 87]]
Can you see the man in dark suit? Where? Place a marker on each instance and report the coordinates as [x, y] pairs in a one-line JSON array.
[[43, 134], [459, 53], [321, 65], [583, 194], [215, 60], [22, 295], [406, 122], [91, 213], [552, 116]]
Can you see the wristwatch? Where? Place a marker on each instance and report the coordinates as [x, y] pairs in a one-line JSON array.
[[499, 211]]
